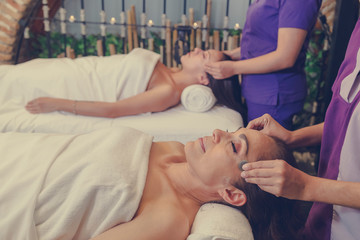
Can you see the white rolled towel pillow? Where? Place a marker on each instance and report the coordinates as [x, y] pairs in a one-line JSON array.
[[198, 98]]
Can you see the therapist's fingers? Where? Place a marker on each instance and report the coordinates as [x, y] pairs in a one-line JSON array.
[[220, 70], [276, 177], [269, 126], [261, 168], [260, 122], [214, 69]]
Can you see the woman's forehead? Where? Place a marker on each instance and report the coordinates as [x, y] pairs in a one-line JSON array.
[[215, 55], [252, 134], [258, 142]]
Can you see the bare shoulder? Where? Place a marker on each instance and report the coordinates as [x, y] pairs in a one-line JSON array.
[[155, 222], [168, 93], [172, 221]]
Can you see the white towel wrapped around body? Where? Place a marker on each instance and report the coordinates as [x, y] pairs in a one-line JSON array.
[[91, 78], [57, 186], [198, 98]]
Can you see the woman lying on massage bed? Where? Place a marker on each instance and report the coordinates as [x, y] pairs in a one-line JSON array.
[[163, 185], [144, 85]]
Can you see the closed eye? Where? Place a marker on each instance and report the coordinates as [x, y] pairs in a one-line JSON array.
[[233, 146]]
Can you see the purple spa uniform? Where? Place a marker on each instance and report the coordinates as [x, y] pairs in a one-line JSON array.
[[259, 37], [340, 154]]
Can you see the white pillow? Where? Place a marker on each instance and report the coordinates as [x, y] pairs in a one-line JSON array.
[[197, 98], [219, 222]]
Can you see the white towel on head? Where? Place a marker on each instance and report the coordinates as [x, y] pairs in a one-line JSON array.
[[197, 98]]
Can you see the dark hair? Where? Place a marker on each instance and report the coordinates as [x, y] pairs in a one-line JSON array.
[[228, 91], [271, 217]]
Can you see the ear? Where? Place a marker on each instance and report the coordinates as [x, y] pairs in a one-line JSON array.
[[233, 196], [203, 79]]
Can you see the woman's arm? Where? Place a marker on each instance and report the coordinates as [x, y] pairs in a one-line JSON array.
[[157, 99], [308, 136], [290, 42], [281, 179]]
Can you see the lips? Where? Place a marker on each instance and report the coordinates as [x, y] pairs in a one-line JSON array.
[[201, 140]]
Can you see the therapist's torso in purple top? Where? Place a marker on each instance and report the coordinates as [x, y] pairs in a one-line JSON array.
[[339, 157], [259, 37]]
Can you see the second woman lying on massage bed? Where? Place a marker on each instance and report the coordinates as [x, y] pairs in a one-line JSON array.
[[118, 184], [141, 84]]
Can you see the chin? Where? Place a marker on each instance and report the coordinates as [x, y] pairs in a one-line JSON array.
[[189, 150]]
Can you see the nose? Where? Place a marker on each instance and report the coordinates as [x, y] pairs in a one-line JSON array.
[[217, 134], [197, 50]]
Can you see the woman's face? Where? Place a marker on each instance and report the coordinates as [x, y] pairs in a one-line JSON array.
[[196, 59], [214, 159]]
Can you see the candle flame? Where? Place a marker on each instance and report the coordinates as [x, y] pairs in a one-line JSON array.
[[72, 19], [113, 20], [150, 23]]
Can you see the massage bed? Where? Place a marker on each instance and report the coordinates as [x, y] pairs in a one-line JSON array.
[[106, 79], [76, 186]]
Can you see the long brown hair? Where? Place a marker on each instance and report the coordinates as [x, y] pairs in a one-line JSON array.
[[271, 217], [228, 92]]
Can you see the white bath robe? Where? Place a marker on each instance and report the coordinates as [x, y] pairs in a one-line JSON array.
[[57, 186], [89, 78]]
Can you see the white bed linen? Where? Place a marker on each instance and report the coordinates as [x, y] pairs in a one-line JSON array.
[[176, 124]]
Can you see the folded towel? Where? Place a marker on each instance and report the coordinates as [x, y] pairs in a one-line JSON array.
[[198, 98], [219, 222]]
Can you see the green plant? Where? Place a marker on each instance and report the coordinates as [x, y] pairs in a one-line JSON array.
[[314, 66]]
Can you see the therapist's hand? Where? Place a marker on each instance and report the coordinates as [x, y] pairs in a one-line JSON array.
[[277, 177], [233, 54], [221, 69], [269, 126]]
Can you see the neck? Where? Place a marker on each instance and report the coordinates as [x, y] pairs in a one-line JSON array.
[[186, 184], [182, 79]]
